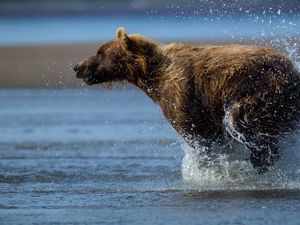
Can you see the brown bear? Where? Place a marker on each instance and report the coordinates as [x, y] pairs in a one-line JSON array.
[[249, 92]]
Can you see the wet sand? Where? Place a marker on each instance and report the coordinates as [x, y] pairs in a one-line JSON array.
[[41, 66]]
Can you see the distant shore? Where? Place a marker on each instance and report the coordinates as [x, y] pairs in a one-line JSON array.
[[45, 66]]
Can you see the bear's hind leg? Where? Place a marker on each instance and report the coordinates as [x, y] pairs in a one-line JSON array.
[[244, 128], [265, 153]]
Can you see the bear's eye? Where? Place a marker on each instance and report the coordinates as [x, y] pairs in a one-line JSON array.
[[100, 52]]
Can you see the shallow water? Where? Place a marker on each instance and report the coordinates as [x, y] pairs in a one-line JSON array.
[[98, 156]]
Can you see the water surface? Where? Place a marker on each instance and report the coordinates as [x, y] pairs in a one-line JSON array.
[[98, 156]]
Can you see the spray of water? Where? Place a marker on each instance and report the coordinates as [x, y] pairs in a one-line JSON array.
[[292, 49], [234, 171]]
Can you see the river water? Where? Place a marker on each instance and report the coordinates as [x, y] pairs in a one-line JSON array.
[[101, 156]]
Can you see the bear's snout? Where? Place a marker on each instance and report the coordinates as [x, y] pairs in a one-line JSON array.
[[80, 70]]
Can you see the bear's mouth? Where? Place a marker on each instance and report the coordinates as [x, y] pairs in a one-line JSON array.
[[90, 79], [87, 78]]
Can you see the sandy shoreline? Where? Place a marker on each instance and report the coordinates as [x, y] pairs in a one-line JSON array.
[[42, 66]]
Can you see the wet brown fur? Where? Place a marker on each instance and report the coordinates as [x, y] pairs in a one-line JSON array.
[[256, 88]]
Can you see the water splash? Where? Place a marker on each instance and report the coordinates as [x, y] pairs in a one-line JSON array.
[[292, 49], [228, 172]]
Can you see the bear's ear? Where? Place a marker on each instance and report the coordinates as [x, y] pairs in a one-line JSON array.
[[121, 32], [122, 36], [134, 43]]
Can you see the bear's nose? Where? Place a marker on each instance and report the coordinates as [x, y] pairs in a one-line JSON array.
[[75, 68]]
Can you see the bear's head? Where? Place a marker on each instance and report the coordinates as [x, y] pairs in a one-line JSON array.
[[124, 58]]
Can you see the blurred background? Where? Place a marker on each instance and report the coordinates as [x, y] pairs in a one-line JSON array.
[[41, 39]]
